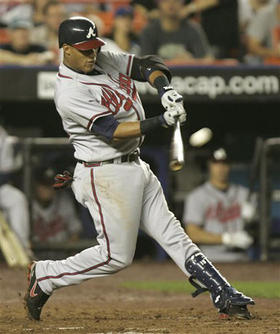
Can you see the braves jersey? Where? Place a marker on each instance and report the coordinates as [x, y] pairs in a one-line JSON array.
[[57, 222], [118, 207], [81, 99], [217, 212]]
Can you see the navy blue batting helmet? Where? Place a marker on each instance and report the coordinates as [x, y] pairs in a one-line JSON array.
[[79, 32]]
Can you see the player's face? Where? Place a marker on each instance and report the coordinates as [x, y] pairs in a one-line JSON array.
[[20, 39], [45, 194], [170, 8], [82, 61], [54, 17], [123, 23], [219, 171]]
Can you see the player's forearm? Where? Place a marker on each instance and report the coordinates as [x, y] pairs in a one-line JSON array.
[[127, 130], [200, 236], [154, 75], [137, 129], [7, 57], [204, 4], [257, 49]]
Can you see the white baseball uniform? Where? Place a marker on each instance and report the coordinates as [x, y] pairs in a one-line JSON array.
[[217, 212], [121, 196], [13, 202]]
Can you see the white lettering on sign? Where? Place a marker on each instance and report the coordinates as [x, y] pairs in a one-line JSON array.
[[214, 86]]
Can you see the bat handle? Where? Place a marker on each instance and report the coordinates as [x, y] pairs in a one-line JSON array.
[[177, 124]]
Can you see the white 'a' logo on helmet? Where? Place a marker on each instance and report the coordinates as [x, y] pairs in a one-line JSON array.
[[91, 33]]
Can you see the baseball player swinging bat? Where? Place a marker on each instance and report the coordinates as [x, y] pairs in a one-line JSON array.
[[98, 102], [11, 247]]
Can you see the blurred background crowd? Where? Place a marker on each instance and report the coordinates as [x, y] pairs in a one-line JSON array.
[[180, 31]]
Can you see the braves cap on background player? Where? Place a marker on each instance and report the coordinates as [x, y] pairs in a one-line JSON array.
[[97, 100]]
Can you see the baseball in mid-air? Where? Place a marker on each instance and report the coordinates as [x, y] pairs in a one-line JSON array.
[[201, 137]]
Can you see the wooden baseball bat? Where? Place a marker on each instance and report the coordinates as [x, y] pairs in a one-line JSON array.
[[177, 157], [12, 250]]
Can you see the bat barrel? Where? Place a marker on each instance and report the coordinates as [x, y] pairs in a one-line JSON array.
[[177, 158]]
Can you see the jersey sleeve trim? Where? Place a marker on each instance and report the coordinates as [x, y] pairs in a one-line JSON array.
[[129, 65], [93, 118], [64, 76]]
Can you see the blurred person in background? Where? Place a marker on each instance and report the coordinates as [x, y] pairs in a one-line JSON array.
[[122, 32], [13, 202], [20, 50], [172, 37], [263, 34], [247, 10], [146, 8], [215, 213], [110, 44], [46, 34], [30, 11], [38, 16], [219, 20], [54, 215]]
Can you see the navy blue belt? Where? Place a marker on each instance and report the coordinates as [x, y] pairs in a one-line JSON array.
[[124, 158]]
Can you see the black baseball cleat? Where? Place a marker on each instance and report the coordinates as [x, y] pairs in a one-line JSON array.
[[34, 298], [231, 302]]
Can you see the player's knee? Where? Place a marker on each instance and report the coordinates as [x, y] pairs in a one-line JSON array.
[[121, 262]]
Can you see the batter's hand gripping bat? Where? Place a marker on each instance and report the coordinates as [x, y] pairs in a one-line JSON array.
[[177, 158]]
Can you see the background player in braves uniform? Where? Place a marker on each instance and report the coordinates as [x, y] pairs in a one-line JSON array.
[[103, 115], [213, 213], [54, 215]]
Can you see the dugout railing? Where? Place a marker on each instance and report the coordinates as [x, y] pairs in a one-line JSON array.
[[268, 166]]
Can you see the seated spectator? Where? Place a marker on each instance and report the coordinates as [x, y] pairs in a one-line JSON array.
[[172, 37], [13, 203], [110, 44], [30, 11], [219, 20], [146, 8], [12, 11], [20, 50], [247, 9], [262, 34], [215, 212], [38, 11], [46, 34], [54, 215], [122, 33]]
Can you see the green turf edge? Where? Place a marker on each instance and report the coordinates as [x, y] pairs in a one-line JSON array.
[[265, 289]]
